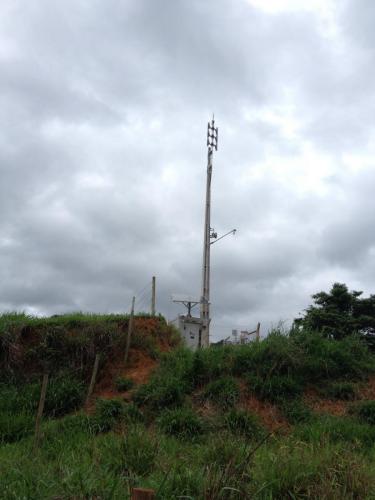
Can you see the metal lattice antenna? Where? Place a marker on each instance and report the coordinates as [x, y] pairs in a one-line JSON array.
[[212, 134]]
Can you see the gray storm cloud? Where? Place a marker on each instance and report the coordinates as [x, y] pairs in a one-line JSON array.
[[103, 109]]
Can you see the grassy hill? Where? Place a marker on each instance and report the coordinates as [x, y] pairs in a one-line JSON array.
[[291, 416]]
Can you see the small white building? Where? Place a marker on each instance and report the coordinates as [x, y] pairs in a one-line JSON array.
[[190, 329]]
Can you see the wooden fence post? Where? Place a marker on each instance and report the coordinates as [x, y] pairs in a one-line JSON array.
[[39, 414], [93, 378], [142, 494], [130, 331], [258, 331], [153, 296]]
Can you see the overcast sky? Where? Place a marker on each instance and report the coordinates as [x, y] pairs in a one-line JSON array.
[[103, 111]]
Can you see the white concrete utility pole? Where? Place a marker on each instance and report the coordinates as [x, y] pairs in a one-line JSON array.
[[209, 233], [212, 141], [153, 296]]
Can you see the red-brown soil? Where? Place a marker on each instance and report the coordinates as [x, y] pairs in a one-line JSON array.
[[336, 407], [269, 414], [321, 405], [140, 363]]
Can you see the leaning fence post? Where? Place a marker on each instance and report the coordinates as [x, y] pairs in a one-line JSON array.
[[258, 331], [40, 410], [130, 331], [93, 378], [142, 494]]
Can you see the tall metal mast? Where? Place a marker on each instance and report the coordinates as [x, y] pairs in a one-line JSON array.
[[212, 141]]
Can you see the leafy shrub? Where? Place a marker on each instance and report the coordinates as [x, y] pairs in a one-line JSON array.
[[14, 427], [160, 393], [340, 390], [243, 423], [223, 391], [326, 358], [209, 364], [178, 363], [295, 411], [181, 422], [124, 384], [277, 354], [275, 388], [365, 411]]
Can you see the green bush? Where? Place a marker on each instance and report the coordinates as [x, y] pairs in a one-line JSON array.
[[340, 390], [277, 354], [295, 411], [326, 358], [365, 411], [224, 392], [177, 364], [14, 427], [181, 422], [243, 423], [276, 388], [160, 393], [209, 364], [124, 384]]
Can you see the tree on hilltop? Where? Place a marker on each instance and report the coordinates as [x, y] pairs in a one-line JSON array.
[[340, 313]]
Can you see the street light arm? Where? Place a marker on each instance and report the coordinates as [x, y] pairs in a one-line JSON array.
[[233, 231]]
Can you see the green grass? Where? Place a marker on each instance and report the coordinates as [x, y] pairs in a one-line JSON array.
[[72, 463], [243, 423], [332, 429], [365, 411], [161, 440]]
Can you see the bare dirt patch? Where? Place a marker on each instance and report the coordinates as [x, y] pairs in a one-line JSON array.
[[268, 413]]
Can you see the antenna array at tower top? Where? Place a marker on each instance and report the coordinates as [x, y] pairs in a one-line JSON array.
[[212, 135]]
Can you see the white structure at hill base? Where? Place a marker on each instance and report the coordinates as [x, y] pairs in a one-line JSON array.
[[190, 329]]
